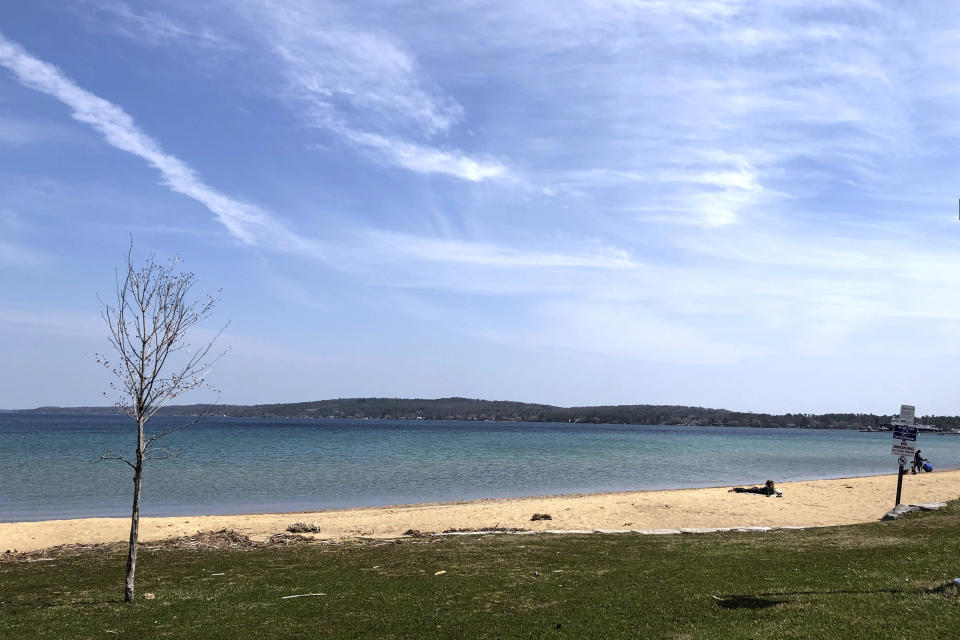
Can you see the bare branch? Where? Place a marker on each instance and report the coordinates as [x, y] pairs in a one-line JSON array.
[[147, 327], [110, 455], [164, 434], [162, 453]]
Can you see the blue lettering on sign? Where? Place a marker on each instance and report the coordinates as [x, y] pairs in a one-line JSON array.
[[905, 433]]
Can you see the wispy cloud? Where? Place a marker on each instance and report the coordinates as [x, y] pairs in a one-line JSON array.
[[740, 292], [803, 99], [359, 83], [433, 250], [342, 72], [246, 222], [423, 159], [710, 195], [152, 28], [363, 85]]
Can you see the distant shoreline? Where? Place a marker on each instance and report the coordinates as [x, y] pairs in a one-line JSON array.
[[813, 503], [202, 419], [477, 410]]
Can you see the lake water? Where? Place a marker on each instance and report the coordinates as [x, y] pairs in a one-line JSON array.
[[48, 465]]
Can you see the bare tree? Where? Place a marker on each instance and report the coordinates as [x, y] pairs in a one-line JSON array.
[[148, 326]]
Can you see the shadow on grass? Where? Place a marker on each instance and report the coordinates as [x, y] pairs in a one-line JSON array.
[[949, 587], [767, 600], [747, 602], [845, 592], [942, 588]]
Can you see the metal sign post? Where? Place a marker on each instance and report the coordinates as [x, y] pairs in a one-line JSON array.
[[900, 480], [904, 442]]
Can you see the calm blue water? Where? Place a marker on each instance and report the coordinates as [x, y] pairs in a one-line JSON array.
[[236, 465]]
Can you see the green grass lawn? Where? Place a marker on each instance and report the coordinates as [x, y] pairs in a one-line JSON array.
[[882, 580]]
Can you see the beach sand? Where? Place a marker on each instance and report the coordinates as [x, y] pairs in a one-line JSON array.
[[804, 504]]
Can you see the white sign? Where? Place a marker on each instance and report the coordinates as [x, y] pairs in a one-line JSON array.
[[907, 413], [904, 440], [902, 448]]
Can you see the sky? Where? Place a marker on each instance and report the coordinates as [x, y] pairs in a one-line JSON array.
[[746, 205]]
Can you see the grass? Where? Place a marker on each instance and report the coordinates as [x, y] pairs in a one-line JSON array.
[[883, 580]]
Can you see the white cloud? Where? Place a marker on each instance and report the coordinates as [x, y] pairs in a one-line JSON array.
[[248, 223], [392, 246], [153, 28], [648, 87], [427, 159], [334, 68], [363, 85], [740, 292], [711, 195]]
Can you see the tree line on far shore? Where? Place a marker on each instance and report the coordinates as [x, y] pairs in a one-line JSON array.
[[474, 409]]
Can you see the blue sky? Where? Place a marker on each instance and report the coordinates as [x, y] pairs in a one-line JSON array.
[[722, 203]]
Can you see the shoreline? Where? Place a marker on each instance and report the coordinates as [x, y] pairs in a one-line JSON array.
[[443, 503], [806, 503], [585, 418]]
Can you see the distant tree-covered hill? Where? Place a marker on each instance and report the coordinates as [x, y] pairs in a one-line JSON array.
[[473, 409]]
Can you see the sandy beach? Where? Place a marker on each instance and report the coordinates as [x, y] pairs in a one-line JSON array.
[[804, 504]]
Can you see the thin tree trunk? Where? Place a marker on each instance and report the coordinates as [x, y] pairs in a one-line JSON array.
[[128, 593], [134, 535]]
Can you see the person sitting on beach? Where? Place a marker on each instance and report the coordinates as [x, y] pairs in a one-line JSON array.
[[768, 489]]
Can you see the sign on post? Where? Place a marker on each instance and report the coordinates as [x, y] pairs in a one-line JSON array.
[[904, 440], [907, 413]]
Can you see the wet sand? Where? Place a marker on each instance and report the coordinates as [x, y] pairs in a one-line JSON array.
[[804, 504]]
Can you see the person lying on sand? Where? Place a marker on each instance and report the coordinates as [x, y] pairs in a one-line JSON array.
[[768, 489]]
